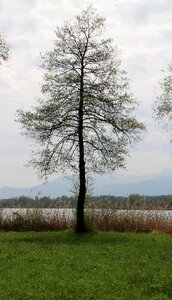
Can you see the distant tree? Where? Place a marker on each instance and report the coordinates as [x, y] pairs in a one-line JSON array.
[[163, 106], [84, 120], [4, 49], [135, 200]]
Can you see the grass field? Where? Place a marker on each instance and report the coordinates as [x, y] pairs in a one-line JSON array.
[[98, 265]]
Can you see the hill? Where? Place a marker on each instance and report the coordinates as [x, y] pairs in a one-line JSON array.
[[118, 185]]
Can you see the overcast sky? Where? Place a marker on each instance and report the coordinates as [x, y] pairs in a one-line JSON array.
[[142, 30]]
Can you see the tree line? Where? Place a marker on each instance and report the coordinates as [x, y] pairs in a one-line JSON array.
[[133, 201]]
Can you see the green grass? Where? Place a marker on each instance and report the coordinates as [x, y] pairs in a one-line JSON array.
[[98, 265]]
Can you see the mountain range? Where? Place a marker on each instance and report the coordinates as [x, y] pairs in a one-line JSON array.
[[118, 185]]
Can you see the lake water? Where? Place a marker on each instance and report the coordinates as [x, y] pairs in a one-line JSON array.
[[70, 213], [48, 212]]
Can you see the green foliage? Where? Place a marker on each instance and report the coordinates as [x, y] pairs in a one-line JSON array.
[[154, 202], [163, 105], [63, 265], [135, 200]]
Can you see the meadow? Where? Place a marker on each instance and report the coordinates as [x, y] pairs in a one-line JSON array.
[[96, 265]]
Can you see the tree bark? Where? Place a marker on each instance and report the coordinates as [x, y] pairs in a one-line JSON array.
[[80, 222]]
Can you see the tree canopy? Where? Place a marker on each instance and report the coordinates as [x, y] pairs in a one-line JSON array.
[[163, 105], [4, 49]]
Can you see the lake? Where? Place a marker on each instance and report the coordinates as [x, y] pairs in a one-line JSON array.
[[70, 213]]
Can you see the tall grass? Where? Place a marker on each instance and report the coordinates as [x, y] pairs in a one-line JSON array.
[[103, 218], [136, 221], [35, 219], [132, 219]]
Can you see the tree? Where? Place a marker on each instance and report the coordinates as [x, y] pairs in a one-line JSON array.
[[135, 200], [163, 106], [84, 119], [4, 49]]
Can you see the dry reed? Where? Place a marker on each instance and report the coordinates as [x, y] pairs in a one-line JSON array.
[[108, 218], [35, 220], [103, 218]]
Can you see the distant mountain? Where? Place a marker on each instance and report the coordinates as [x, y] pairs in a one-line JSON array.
[[160, 185], [54, 188], [118, 184]]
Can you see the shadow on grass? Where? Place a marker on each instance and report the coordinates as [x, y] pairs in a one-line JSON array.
[[64, 237]]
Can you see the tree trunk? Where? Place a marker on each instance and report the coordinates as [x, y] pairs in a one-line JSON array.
[[80, 223]]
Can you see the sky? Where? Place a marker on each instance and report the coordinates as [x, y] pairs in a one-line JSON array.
[[142, 31]]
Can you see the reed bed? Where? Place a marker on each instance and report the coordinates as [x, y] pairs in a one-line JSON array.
[[102, 218], [131, 218], [129, 221], [35, 220]]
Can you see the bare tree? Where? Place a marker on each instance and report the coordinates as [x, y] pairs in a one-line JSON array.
[[163, 105], [4, 49], [84, 120]]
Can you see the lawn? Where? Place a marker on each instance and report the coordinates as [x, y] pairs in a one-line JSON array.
[[98, 265]]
